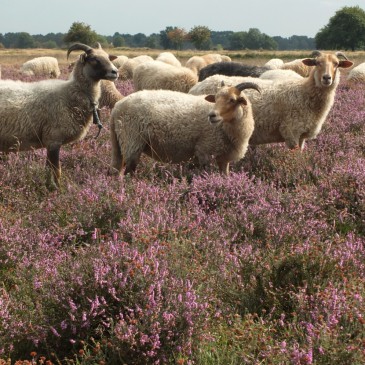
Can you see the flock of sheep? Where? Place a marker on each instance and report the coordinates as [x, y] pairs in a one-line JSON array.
[[211, 107]]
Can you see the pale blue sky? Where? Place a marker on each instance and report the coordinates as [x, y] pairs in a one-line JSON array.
[[272, 17]]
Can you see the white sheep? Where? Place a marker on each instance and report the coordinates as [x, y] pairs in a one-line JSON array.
[[357, 74], [126, 71], [50, 113], [173, 127], [41, 66], [212, 84], [120, 61], [295, 110], [109, 94], [274, 63], [278, 74], [196, 63], [159, 75], [169, 58]]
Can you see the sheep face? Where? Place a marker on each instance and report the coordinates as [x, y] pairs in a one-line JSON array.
[[227, 100], [326, 66], [96, 63]]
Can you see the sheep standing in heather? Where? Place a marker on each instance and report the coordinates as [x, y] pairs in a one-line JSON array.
[[173, 127], [156, 75], [295, 110], [41, 66], [50, 113], [357, 74]]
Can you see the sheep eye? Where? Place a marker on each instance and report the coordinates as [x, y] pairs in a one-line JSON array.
[[232, 100]]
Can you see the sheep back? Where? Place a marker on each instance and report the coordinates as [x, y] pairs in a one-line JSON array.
[[41, 66]]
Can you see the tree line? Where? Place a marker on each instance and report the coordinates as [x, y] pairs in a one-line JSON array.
[[345, 30]]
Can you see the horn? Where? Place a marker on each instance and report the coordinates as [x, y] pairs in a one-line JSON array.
[[78, 47], [248, 85], [340, 54], [316, 53]]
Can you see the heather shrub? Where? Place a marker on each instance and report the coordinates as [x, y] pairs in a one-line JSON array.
[[178, 266]]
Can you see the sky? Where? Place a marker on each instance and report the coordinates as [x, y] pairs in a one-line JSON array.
[[273, 17]]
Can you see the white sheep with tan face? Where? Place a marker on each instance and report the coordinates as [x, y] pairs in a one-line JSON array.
[[295, 110], [174, 127], [51, 113]]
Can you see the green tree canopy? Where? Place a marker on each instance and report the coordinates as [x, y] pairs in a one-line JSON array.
[[199, 35], [177, 37], [82, 33], [345, 30]]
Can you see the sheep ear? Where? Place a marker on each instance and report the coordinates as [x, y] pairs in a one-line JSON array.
[[112, 58], [210, 98], [83, 58], [345, 64], [309, 61], [242, 100]]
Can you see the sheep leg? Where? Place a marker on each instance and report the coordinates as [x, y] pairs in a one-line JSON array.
[[291, 141], [223, 166], [53, 163], [116, 160]]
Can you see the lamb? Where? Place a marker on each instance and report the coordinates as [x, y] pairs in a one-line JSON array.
[[357, 74], [212, 84], [126, 71], [295, 110], [196, 63], [109, 94], [50, 113], [170, 126], [41, 66], [169, 58], [160, 75], [231, 69]]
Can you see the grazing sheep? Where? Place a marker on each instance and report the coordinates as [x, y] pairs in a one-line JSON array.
[[169, 58], [295, 110], [298, 66], [278, 74], [109, 94], [41, 66], [159, 75], [120, 61], [231, 69], [212, 84], [170, 126], [50, 113], [357, 74], [196, 63], [126, 71]]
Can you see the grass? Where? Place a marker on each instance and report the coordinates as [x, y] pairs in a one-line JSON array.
[[177, 266]]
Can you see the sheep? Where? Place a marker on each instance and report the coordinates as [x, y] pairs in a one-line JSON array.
[[169, 58], [357, 74], [295, 110], [120, 61], [231, 69], [196, 63], [278, 74], [298, 66], [126, 71], [50, 113], [170, 126], [109, 94], [213, 83], [41, 66], [274, 63], [160, 75]]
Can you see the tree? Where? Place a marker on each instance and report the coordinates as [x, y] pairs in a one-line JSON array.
[[237, 40], [199, 35], [345, 30], [25, 40], [177, 37], [82, 33], [164, 39]]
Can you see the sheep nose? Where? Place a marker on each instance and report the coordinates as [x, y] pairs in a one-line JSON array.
[[213, 117], [327, 79]]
